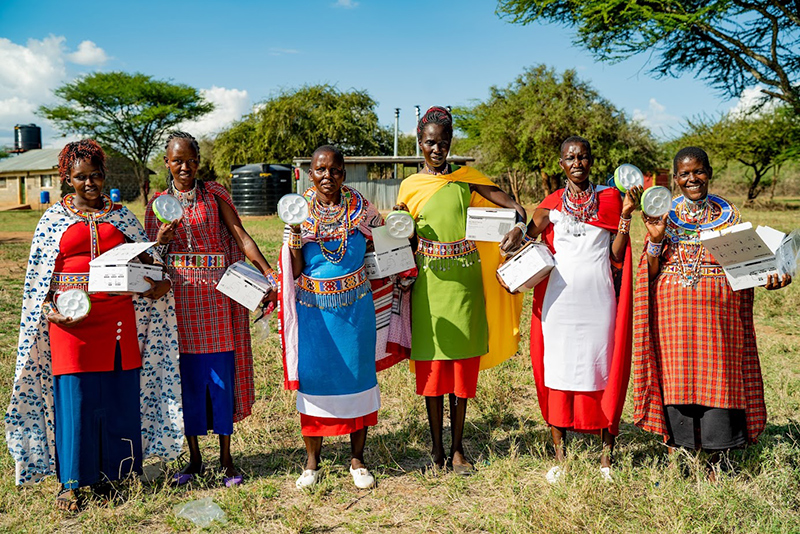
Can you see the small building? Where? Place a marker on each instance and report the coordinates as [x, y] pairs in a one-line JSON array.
[[374, 176], [25, 176]]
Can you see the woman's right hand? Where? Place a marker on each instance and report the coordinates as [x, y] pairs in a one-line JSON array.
[[166, 232], [67, 322], [656, 227], [400, 207]]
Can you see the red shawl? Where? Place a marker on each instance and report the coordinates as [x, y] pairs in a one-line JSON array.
[[609, 209]]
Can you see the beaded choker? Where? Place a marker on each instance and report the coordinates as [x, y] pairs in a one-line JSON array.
[[581, 205], [90, 218], [430, 170]]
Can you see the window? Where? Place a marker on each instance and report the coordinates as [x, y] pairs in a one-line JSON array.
[[3, 183], [46, 182]]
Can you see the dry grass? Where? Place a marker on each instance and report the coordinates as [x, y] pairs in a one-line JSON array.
[[506, 438]]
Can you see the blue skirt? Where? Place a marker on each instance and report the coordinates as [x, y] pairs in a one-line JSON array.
[[98, 428], [208, 381]]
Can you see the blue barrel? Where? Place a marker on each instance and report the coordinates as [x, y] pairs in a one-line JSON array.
[[116, 195], [44, 197]]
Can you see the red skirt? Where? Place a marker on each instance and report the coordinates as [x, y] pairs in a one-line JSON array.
[[580, 411], [313, 426], [440, 377]]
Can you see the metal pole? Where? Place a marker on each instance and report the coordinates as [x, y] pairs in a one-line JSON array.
[[396, 132], [416, 145]]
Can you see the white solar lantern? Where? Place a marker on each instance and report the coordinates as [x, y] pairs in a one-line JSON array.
[[167, 208], [656, 201], [74, 303], [293, 209]]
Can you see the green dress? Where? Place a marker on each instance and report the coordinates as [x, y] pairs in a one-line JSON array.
[[447, 304]]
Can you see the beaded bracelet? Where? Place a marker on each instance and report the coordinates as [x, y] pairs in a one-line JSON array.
[[295, 241], [624, 226], [654, 249], [522, 226], [48, 308], [272, 278]]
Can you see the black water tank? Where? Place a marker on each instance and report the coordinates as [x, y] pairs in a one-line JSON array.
[[256, 188], [27, 137]]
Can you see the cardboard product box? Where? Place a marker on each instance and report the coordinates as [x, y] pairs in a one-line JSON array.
[[391, 256], [120, 271], [747, 254], [489, 224], [244, 284], [527, 267]]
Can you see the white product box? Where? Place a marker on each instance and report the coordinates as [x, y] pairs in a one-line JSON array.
[[746, 254], [391, 256], [527, 268], [489, 224], [244, 284], [120, 271]]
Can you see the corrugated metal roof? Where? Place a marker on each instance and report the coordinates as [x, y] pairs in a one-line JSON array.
[[33, 160]]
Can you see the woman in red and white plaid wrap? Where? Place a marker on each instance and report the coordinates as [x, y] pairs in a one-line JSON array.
[[216, 359], [697, 377]]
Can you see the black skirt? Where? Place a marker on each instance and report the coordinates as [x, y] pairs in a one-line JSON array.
[[698, 427]]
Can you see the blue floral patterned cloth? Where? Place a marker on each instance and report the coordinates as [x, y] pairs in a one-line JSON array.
[[29, 418]]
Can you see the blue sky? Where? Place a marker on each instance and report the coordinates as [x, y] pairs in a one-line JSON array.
[[242, 51]]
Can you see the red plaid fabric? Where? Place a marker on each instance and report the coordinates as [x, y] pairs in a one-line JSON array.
[[694, 346], [209, 321]]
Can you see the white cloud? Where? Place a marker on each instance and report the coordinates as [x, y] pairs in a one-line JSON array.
[[88, 53], [656, 118], [749, 101], [346, 4], [229, 106], [28, 75]]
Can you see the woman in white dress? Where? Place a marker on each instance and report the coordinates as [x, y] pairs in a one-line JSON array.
[[581, 324]]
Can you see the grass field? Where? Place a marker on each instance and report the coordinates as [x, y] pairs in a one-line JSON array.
[[759, 491]]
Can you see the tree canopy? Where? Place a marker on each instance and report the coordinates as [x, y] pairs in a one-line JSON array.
[[126, 113], [731, 44], [517, 132], [761, 140], [295, 122]]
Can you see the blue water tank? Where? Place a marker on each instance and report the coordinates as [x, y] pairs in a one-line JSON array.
[[44, 197]]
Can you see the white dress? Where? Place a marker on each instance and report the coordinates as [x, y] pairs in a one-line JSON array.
[[579, 308]]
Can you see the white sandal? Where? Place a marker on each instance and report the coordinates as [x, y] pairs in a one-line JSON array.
[[606, 473], [362, 477], [307, 479]]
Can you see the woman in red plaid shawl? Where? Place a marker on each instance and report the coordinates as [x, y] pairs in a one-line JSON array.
[[697, 378], [216, 359]]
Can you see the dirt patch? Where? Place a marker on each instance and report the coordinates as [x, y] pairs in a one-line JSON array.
[[15, 237]]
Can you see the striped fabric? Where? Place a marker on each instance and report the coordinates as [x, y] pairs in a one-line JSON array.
[[694, 345]]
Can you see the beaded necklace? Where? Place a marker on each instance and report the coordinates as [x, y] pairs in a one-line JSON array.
[[430, 170], [690, 252], [90, 218], [333, 221], [188, 199], [580, 207]]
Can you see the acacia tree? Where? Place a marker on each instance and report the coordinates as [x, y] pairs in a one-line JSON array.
[[517, 132], [760, 140], [297, 121], [127, 113], [731, 44]]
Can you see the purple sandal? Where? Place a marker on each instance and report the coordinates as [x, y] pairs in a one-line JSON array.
[[230, 482]]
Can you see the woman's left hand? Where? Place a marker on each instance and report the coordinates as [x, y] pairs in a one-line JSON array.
[[512, 240], [157, 289], [632, 200], [773, 282]]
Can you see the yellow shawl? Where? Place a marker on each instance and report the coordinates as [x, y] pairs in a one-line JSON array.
[[502, 309]]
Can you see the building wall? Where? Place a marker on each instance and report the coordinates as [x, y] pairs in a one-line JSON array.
[[35, 183]]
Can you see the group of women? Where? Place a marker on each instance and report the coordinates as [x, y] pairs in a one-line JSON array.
[[93, 395]]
